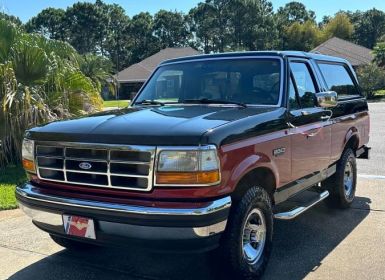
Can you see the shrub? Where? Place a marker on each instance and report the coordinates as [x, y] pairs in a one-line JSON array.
[[379, 54], [371, 78]]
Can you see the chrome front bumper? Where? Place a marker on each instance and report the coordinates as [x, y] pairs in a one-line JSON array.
[[121, 220]]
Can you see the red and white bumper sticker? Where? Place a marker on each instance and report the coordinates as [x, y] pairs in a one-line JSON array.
[[79, 226]]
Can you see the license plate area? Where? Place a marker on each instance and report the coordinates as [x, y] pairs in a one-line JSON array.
[[79, 226]]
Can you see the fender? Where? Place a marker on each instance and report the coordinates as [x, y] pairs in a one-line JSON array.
[[352, 132], [249, 164]]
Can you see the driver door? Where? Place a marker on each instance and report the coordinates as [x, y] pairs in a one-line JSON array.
[[310, 129]]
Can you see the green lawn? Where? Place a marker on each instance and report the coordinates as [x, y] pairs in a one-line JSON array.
[[379, 96], [115, 103], [9, 178], [380, 93]]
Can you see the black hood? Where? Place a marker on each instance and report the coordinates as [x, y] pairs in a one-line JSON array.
[[147, 125]]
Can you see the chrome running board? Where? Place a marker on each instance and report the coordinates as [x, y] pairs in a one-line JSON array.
[[301, 209]]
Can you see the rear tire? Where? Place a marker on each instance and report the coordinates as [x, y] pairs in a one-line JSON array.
[[342, 185], [247, 242], [72, 245]]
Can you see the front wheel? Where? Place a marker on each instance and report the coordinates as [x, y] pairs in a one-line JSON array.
[[342, 185], [247, 241]]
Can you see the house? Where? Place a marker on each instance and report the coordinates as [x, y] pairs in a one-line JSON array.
[[132, 78], [357, 55]]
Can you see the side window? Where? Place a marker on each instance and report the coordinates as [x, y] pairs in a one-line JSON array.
[[293, 101], [305, 84], [338, 79]]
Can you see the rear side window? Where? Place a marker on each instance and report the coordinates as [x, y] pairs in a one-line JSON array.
[[338, 79]]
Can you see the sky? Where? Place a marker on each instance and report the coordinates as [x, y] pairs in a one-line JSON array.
[[25, 9]]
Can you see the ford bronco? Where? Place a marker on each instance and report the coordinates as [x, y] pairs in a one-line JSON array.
[[208, 153]]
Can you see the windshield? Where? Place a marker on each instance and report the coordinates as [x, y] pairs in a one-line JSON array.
[[247, 81]]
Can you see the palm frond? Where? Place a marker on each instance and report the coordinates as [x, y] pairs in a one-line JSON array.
[[8, 34], [41, 81], [30, 63]]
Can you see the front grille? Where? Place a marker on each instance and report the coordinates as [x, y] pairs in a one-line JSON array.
[[110, 166]]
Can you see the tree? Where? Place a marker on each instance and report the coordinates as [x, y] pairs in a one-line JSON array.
[[143, 42], [325, 21], [302, 37], [10, 18], [97, 68], [371, 78], [202, 24], [50, 23], [171, 29], [379, 54], [369, 27], [116, 41], [295, 12], [339, 26], [219, 10], [237, 13], [40, 81], [292, 12], [97, 28], [354, 17], [87, 24], [252, 25], [221, 25]]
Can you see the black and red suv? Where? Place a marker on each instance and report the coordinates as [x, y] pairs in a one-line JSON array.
[[207, 154]]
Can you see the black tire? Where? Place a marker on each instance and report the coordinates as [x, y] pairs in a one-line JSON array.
[[255, 199], [72, 245], [341, 195]]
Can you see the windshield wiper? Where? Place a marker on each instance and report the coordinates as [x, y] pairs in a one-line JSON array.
[[213, 101], [149, 102]]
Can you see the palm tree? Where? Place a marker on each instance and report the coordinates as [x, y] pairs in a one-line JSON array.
[[99, 69], [40, 81]]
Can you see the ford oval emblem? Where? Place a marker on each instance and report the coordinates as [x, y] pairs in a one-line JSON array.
[[85, 165]]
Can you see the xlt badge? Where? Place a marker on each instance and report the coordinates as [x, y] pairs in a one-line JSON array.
[[279, 151]]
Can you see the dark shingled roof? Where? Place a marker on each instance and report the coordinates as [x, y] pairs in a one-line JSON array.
[[357, 55], [140, 72]]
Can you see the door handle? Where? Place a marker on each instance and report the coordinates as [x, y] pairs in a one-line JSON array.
[[312, 134], [347, 118], [325, 118]]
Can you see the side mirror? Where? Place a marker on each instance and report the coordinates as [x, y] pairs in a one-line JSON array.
[[327, 99]]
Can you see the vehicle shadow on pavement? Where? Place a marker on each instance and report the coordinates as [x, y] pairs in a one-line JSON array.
[[300, 245], [299, 248]]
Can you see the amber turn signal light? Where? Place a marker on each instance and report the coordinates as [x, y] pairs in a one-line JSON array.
[[188, 178], [29, 165]]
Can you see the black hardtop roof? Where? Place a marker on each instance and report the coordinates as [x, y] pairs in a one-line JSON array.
[[281, 54]]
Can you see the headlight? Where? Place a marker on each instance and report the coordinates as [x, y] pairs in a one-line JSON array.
[[198, 166], [27, 153]]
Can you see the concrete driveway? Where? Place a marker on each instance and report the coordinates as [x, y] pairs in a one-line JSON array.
[[321, 244]]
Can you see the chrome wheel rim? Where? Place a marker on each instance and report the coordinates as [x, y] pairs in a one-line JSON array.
[[254, 236], [348, 179]]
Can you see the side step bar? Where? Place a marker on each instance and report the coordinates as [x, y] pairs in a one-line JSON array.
[[298, 211]]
